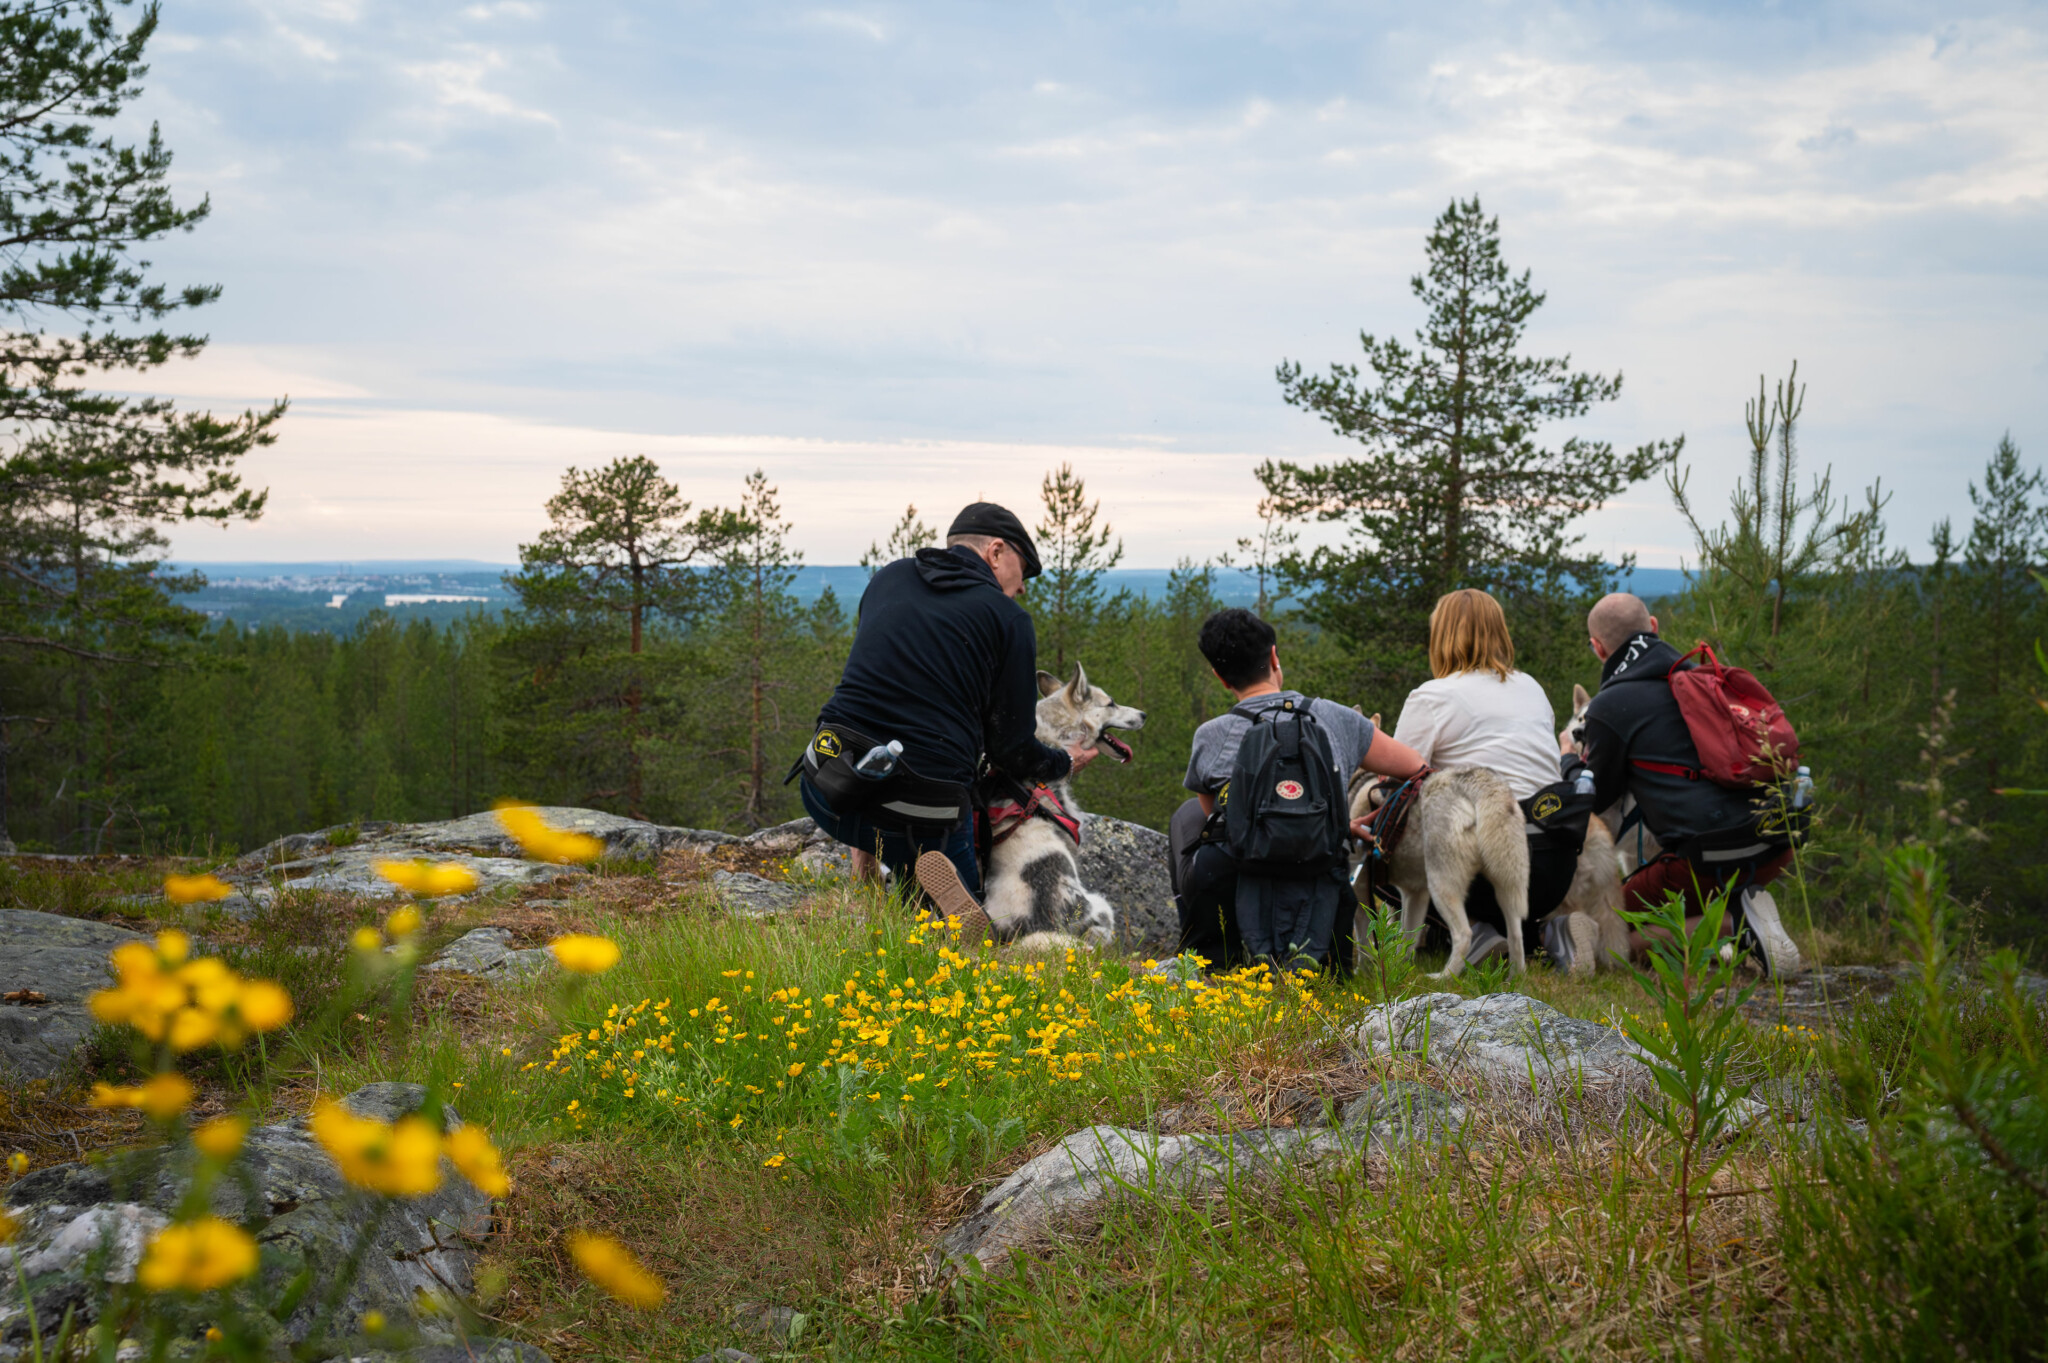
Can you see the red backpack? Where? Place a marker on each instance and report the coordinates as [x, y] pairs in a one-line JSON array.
[[1742, 734]]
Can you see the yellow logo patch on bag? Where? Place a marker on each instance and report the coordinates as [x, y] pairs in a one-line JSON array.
[[1547, 804], [826, 744]]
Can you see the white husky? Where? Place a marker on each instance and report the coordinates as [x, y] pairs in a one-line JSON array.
[[1465, 824], [1033, 892]]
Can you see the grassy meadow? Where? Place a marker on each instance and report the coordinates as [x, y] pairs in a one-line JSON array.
[[787, 1112]]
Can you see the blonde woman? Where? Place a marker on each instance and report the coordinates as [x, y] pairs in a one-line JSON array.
[[1479, 711]]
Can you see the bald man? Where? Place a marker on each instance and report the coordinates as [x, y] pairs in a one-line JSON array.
[[1711, 833]]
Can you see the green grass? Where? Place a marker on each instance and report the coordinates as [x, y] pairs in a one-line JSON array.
[[1547, 1233]]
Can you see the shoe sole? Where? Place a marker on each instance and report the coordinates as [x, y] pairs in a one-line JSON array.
[[939, 878], [1480, 952], [1781, 953]]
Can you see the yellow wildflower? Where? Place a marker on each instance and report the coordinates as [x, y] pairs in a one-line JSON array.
[[373, 1322], [403, 922], [197, 1256], [775, 1161], [162, 1097], [402, 1159], [612, 1267], [542, 842], [367, 940], [222, 1137], [195, 889], [9, 1227], [478, 1160], [585, 953], [796, 1068], [428, 881], [17, 1163]]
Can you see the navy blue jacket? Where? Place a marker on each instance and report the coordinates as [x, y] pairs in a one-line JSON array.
[[943, 661]]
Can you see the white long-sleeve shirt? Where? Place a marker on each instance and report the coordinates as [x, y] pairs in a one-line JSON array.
[[1475, 719]]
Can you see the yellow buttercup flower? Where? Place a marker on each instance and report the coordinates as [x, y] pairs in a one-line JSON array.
[[584, 953], [17, 1163], [404, 922], [401, 1158], [373, 1322], [186, 1003], [221, 1139], [612, 1267], [428, 880], [542, 842], [367, 940], [162, 1097], [197, 1256], [470, 1148], [195, 889], [9, 1227]]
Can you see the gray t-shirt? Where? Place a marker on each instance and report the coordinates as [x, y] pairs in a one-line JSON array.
[[1215, 747]]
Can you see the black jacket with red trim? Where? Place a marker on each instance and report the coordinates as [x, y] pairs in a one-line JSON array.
[[1635, 718], [946, 663]]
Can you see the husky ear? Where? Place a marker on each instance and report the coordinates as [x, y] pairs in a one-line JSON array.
[[1078, 688], [1374, 717], [1048, 683], [1579, 697]]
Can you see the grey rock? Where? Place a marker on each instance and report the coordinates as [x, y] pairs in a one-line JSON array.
[[1404, 1109], [831, 862], [1505, 1037], [777, 1322], [1093, 1166], [489, 952], [64, 960], [476, 1351], [306, 1213], [1126, 863], [727, 1355], [753, 896], [314, 861]]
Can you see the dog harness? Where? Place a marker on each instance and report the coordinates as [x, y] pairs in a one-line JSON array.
[[1387, 823], [1016, 806]]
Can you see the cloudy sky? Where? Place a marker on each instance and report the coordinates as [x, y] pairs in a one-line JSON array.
[[900, 252]]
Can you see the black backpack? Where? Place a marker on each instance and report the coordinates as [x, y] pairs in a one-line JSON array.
[[1286, 812]]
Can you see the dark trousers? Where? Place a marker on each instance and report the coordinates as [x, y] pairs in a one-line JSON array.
[[1649, 886], [896, 849], [1205, 893], [1551, 869]]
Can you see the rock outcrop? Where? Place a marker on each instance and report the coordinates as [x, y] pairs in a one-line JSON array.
[[49, 965], [303, 1215], [489, 952], [341, 859], [1508, 1038], [1126, 863], [1083, 1173]]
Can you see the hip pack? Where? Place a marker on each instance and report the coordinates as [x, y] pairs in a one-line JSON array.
[[902, 800]]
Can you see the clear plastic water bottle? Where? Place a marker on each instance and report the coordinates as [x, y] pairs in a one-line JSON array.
[[1802, 788], [880, 761], [1584, 784]]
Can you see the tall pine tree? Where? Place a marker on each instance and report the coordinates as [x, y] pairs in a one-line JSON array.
[[1453, 488]]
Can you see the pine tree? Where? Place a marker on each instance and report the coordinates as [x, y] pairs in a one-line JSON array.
[[622, 546], [1067, 596], [88, 474], [2008, 539], [758, 570], [1453, 489], [906, 537]]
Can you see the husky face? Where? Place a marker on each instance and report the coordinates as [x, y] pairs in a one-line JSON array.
[[1575, 727], [1076, 713]]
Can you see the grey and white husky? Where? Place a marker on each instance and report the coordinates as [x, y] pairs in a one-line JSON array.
[[1033, 891], [1465, 824]]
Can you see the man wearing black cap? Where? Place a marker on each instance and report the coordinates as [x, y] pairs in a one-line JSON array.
[[944, 662]]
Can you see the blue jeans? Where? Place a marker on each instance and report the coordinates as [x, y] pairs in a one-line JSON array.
[[898, 850]]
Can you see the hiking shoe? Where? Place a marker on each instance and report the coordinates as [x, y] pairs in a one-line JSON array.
[[1557, 942], [1766, 937], [1486, 943], [939, 878]]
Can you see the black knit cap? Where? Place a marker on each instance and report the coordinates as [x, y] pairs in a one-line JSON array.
[[986, 518]]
